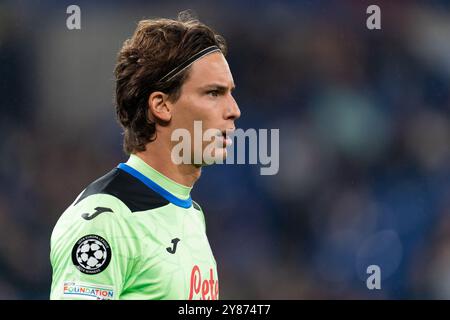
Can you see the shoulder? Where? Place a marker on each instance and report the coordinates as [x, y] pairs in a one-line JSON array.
[[105, 207], [196, 206], [199, 209], [135, 195]]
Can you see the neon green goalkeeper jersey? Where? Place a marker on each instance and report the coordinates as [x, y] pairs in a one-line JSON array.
[[133, 234]]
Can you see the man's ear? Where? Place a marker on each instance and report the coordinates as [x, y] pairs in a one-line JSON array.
[[159, 107]]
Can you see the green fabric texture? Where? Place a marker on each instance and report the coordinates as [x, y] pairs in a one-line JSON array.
[[145, 263]]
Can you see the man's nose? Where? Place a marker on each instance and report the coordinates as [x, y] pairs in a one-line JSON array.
[[233, 111]]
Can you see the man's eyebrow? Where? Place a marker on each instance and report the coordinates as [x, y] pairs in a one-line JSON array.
[[219, 87]]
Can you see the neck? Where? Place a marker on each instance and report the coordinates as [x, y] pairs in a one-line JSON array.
[[159, 158]]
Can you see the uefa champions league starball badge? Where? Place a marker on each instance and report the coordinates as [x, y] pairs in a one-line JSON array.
[[91, 254]]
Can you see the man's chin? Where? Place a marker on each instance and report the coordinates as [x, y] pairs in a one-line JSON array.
[[219, 157]]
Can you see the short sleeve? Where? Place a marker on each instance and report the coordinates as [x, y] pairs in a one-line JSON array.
[[93, 250]]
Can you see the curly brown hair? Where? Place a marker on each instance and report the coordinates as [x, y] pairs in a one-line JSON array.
[[156, 47]]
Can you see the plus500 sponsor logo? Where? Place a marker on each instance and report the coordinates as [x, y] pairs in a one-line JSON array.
[[203, 289]]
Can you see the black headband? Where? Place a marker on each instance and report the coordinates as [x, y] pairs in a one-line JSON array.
[[188, 62]]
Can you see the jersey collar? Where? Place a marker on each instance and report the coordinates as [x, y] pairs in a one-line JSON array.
[[172, 191]]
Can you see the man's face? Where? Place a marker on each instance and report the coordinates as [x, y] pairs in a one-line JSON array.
[[206, 97]]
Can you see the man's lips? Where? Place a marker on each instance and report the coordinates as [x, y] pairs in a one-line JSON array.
[[228, 132], [225, 136]]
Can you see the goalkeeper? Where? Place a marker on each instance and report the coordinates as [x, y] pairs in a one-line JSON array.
[[135, 233]]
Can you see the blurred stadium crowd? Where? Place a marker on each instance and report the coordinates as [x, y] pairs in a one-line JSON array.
[[364, 119]]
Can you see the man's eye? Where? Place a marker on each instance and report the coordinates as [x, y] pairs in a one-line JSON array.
[[213, 93]]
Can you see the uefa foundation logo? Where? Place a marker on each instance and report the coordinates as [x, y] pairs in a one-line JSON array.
[[214, 146]]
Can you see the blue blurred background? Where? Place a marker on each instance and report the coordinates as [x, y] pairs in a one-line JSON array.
[[364, 119]]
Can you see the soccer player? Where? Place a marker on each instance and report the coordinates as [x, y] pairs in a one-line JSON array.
[[135, 233]]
